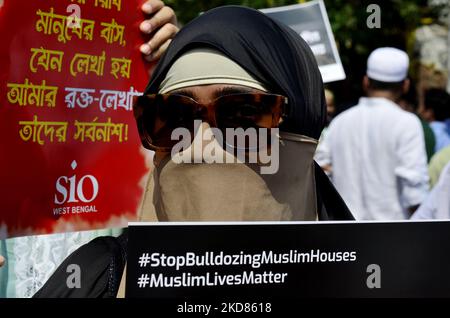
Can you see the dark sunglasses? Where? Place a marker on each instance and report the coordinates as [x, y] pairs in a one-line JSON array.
[[157, 115]]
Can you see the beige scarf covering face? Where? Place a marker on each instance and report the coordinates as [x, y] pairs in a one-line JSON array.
[[236, 191]]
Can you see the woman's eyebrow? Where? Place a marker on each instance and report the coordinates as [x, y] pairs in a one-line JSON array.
[[184, 93], [232, 90]]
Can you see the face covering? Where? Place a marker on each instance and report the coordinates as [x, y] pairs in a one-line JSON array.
[[235, 191], [259, 52], [216, 192]]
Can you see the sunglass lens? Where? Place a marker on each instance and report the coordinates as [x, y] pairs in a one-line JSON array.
[[166, 114]]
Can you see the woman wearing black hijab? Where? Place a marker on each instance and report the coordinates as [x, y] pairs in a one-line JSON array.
[[260, 59]]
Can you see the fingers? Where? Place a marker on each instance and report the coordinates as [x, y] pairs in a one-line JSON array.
[[152, 6], [157, 54], [164, 16], [2, 261], [161, 27], [159, 42]]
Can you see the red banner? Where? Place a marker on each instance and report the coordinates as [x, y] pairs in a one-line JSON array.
[[70, 155]]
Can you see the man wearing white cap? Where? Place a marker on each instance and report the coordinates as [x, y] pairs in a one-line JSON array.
[[375, 149]]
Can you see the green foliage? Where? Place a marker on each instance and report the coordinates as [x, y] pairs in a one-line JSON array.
[[188, 9]]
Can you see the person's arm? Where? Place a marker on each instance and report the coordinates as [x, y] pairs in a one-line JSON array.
[[161, 25], [427, 209], [437, 204], [323, 153], [94, 270], [411, 169]]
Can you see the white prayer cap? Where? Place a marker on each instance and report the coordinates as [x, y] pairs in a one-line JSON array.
[[388, 64]]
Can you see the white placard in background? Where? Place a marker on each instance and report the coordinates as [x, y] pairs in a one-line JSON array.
[[310, 20]]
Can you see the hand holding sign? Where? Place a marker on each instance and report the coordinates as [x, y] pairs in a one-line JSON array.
[[162, 24]]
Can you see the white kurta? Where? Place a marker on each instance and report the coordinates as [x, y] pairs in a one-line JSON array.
[[378, 159]]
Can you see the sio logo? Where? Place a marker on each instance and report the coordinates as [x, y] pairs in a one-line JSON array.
[[71, 190]]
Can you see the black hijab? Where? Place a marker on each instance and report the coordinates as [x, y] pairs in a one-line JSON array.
[[270, 51], [276, 56]]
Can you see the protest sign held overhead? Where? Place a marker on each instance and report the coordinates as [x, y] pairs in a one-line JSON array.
[[70, 156]]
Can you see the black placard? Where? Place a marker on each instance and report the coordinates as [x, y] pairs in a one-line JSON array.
[[288, 260]]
